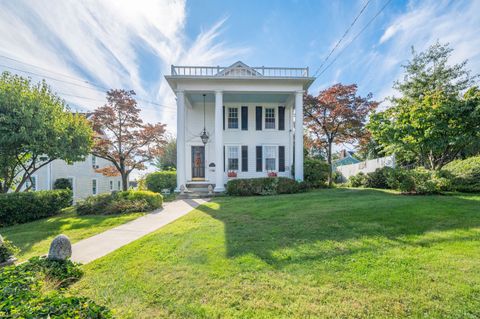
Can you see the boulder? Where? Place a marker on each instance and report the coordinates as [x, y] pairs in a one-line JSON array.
[[60, 248]]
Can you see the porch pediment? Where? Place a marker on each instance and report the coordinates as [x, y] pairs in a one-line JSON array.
[[238, 69]]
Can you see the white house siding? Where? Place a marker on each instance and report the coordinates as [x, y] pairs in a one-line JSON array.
[[238, 137], [366, 166], [82, 174]]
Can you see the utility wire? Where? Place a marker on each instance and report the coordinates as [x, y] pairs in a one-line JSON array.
[[72, 83], [343, 37], [356, 36]]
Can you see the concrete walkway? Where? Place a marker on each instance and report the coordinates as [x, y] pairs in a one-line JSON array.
[[104, 243]]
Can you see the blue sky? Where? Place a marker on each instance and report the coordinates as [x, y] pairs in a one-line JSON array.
[[83, 47]]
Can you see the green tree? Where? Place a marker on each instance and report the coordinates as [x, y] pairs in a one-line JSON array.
[[432, 121], [167, 160], [36, 127]]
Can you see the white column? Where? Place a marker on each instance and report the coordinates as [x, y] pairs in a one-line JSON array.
[[219, 183], [180, 139], [299, 135]]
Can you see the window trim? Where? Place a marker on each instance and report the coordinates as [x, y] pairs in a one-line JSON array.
[[239, 157], [275, 118], [264, 164], [228, 117]]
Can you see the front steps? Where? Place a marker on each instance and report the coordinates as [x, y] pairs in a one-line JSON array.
[[197, 190]]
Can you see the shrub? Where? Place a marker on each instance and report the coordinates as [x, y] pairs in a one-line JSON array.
[[17, 208], [157, 181], [465, 174], [7, 250], [264, 186], [418, 181], [119, 203], [358, 180], [378, 178], [315, 172], [23, 294], [62, 183]]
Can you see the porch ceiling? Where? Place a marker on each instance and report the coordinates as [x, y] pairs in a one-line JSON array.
[[240, 97]]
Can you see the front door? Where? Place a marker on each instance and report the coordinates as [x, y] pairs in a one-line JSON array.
[[198, 162]]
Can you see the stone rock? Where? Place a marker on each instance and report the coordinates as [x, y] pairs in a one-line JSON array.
[[60, 248]]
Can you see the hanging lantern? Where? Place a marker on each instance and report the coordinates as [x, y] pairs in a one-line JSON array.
[[204, 136]]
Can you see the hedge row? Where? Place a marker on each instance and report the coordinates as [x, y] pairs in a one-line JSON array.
[[119, 203], [264, 186], [17, 208], [158, 181], [465, 174]]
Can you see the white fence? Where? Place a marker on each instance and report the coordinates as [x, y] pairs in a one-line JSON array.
[[366, 166]]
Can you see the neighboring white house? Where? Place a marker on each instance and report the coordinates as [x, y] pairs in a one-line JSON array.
[[249, 115], [82, 175]]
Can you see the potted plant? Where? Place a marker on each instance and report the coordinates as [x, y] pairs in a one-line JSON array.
[[272, 174], [232, 174]]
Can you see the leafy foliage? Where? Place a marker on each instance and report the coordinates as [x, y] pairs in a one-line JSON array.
[[157, 181], [18, 208], [264, 186], [62, 183], [358, 180], [337, 115], [7, 250], [122, 138], [315, 172], [431, 123], [167, 160], [119, 203], [23, 294], [36, 127], [465, 174]]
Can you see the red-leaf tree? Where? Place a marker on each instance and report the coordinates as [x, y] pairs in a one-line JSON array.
[[337, 115], [122, 138]]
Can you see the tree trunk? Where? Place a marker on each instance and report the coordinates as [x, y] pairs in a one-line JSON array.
[[329, 161], [124, 181]]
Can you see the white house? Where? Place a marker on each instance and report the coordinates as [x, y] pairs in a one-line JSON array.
[[82, 175], [249, 116]]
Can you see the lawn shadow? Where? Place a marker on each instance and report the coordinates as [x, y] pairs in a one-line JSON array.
[[288, 229]]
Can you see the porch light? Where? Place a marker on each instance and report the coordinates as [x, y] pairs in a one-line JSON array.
[[204, 136]]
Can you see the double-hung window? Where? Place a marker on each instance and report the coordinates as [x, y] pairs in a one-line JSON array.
[[94, 186], [269, 118], [270, 157], [233, 117], [32, 183], [232, 158]]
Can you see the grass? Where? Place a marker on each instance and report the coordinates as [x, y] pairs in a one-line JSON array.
[[34, 238], [327, 254]]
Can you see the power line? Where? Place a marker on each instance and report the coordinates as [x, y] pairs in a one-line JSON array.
[[76, 84], [343, 37], [356, 36]]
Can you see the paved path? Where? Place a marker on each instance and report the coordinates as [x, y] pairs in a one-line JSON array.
[[104, 243]]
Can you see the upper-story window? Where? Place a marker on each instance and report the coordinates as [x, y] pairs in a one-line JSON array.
[[232, 158], [269, 118], [94, 161], [233, 117]]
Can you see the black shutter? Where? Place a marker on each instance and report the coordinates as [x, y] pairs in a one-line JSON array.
[[259, 159], [281, 118], [258, 118], [281, 158], [244, 158], [224, 118], [244, 118], [224, 158]]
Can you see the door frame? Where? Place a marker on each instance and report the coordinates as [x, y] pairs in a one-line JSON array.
[[196, 178]]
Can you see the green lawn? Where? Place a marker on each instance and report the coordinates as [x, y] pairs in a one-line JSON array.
[[34, 238], [332, 253]]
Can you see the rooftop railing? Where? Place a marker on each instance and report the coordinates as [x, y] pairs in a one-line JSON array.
[[221, 71]]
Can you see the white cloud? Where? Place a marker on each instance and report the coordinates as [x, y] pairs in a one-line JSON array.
[[99, 41], [423, 24]]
